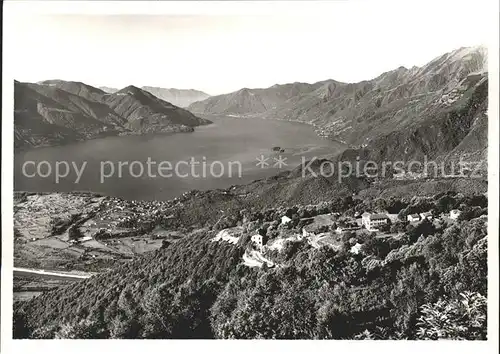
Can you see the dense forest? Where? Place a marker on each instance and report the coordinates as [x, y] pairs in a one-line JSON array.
[[431, 283]]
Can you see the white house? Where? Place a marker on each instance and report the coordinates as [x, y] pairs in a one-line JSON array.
[[257, 240], [306, 233], [356, 248], [347, 227], [427, 215], [372, 221], [454, 214], [85, 238], [413, 217], [285, 220]]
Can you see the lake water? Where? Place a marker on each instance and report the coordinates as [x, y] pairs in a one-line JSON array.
[[214, 156]]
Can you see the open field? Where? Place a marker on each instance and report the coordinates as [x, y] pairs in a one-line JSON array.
[[82, 231]]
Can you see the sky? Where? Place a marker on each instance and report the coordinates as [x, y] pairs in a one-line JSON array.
[[224, 51]]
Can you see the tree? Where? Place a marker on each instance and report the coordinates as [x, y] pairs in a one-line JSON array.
[[290, 248], [399, 226], [478, 200], [395, 205], [74, 232], [126, 323], [469, 213], [333, 322], [462, 318], [20, 327], [346, 236], [384, 227], [412, 288], [158, 317], [445, 204], [376, 247], [424, 228], [45, 332], [403, 214], [84, 329]]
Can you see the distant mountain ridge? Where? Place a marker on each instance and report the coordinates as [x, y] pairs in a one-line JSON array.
[[108, 89], [76, 88], [178, 97], [55, 112], [386, 115], [251, 101]]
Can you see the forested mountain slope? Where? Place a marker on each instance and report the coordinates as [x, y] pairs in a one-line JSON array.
[[198, 288]]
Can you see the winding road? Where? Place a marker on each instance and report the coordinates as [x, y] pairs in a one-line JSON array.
[[51, 273]]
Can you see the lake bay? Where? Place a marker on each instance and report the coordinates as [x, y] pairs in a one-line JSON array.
[[225, 153]]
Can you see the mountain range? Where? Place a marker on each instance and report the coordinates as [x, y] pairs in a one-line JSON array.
[[438, 110], [353, 286], [178, 97], [55, 112]]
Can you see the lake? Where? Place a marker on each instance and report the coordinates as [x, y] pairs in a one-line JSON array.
[[164, 166]]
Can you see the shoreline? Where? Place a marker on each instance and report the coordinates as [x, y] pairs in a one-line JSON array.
[[207, 115], [181, 130], [18, 150]]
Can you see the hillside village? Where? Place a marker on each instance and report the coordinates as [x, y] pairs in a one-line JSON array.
[[85, 231], [339, 231], [88, 232]]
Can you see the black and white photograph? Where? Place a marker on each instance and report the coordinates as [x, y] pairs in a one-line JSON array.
[[285, 170]]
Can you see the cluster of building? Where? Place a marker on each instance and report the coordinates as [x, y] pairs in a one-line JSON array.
[[347, 226], [120, 213], [373, 221], [454, 214], [318, 231]]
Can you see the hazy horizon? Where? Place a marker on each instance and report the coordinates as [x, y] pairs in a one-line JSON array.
[[355, 41]]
